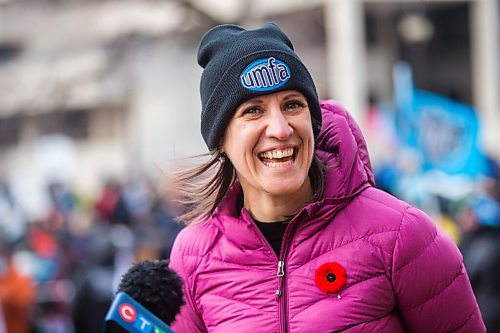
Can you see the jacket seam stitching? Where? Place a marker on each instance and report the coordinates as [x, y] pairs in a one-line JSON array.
[[242, 302], [342, 245], [396, 241], [394, 248], [437, 294], [434, 239], [389, 315], [231, 263], [365, 236], [388, 206], [466, 321], [376, 245]]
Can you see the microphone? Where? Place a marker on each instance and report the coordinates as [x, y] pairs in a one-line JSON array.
[[148, 298]]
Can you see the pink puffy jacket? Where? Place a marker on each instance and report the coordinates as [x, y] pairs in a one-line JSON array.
[[403, 274]]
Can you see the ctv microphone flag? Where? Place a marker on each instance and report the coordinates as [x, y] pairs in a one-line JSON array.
[[132, 317]]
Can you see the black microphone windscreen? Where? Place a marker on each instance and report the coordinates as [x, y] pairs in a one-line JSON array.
[[156, 287]]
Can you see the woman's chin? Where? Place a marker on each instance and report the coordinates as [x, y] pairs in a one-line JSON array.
[[284, 187]]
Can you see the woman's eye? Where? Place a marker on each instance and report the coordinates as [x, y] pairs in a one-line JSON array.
[[251, 111], [293, 105]]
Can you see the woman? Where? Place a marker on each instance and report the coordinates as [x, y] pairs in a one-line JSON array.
[[289, 234]]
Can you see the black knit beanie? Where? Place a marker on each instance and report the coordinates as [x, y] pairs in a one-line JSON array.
[[241, 64]]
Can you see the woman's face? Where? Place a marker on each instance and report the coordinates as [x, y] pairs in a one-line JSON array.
[[270, 142]]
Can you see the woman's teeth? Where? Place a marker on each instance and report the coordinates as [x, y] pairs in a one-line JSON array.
[[277, 153], [277, 158], [277, 164]]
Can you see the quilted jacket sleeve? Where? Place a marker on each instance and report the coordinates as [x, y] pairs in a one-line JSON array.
[[188, 320], [429, 279]]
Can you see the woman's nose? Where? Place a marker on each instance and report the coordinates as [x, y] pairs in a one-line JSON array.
[[278, 126]]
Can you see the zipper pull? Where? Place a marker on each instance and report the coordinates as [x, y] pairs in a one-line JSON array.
[[280, 274], [281, 268]]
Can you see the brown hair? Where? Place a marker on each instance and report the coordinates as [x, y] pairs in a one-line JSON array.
[[202, 188]]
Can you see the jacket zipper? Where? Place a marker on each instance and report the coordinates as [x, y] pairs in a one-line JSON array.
[[281, 295], [280, 274], [280, 291]]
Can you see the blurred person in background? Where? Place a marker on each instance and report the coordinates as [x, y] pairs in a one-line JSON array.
[[164, 224], [63, 203], [2, 322], [107, 200], [480, 245], [286, 230], [12, 217], [95, 289], [17, 294]]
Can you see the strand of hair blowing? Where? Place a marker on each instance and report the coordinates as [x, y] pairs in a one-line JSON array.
[[202, 188]]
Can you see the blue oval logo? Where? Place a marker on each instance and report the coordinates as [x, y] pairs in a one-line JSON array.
[[265, 74]]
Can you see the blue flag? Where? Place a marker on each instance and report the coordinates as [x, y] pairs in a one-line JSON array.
[[445, 131]]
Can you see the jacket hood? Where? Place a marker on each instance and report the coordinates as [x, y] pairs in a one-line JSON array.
[[341, 146]]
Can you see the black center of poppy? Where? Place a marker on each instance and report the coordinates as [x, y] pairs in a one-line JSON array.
[[331, 277]]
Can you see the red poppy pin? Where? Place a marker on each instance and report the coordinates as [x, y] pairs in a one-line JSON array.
[[330, 277]]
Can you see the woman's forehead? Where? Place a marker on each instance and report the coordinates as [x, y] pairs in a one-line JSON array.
[[281, 94]]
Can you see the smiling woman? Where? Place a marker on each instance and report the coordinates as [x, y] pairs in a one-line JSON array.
[[270, 143], [286, 231]]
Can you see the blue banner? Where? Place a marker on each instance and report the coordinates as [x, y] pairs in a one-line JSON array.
[[445, 131]]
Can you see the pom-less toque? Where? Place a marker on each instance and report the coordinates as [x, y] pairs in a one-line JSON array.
[[241, 64]]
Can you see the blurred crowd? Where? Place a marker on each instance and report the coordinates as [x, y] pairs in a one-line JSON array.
[[58, 274]]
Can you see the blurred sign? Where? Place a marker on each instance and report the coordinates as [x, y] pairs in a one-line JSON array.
[[443, 130]]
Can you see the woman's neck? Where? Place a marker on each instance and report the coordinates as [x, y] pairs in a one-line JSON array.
[[271, 208]]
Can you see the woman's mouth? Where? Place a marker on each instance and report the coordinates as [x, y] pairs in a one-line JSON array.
[[278, 157]]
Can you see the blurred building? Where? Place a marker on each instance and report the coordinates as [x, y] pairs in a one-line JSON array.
[[91, 89]]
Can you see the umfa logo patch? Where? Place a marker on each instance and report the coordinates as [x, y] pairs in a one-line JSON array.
[[265, 74]]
